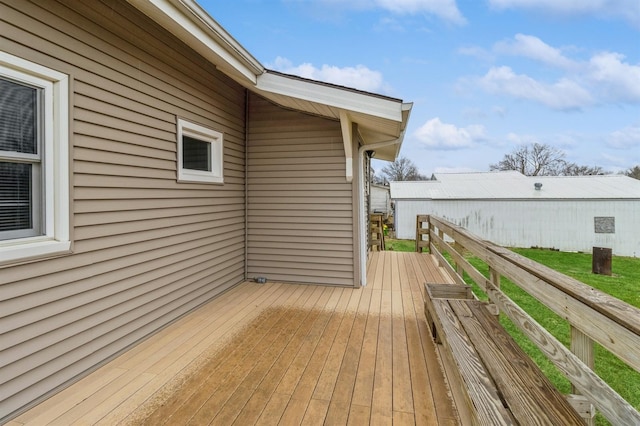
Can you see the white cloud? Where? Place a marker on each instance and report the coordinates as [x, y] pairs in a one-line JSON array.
[[625, 9], [436, 134], [534, 48], [358, 77], [603, 78], [626, 138], [446, 10], [614, 79], [564, 94]]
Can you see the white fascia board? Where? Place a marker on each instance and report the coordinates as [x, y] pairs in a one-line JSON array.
[[191, 24], [331, 96]]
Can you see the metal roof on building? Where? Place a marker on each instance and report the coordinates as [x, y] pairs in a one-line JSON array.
[[513, 186]]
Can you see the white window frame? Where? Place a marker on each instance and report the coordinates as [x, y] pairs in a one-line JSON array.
[[55, 235], [204, 134]]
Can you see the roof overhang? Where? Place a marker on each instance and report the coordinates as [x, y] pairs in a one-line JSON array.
[[378, 118], [189, 22]]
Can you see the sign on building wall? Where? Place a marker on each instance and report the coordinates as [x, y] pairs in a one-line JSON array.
[[605, 225]]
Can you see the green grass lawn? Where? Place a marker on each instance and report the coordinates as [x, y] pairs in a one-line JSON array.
[[399, 245], [624, 284]]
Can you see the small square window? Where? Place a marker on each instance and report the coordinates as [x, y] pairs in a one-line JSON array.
[[200, 153]]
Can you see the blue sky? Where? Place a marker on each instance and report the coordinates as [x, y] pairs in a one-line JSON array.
[[484, 75]]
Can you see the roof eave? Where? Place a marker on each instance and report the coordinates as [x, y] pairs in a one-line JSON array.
[[391, 151], [330, 95], [394, 150], [186, 20], [379, 118]]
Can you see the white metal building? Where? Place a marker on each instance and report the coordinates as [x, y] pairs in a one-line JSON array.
[[569, 213], [380, 199]]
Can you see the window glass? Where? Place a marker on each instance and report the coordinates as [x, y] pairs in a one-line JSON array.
[[196, 154], [18, 118], [15, 197]]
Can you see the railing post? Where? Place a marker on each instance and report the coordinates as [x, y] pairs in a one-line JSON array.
[[583, 347], [420, 231]]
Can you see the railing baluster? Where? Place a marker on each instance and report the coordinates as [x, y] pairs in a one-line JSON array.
[[429, 229], [494, 277], [583, 347]]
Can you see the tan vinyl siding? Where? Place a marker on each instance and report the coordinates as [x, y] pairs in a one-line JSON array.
[[146, 248], [300, 206]]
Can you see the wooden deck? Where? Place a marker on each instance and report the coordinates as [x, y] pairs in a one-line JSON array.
[[279, 354]]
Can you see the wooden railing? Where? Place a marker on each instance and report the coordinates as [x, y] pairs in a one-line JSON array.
[[422, 233], [376, 238], [593, 316]]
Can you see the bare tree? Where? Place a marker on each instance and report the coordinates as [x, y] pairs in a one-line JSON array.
[[543, 160], [533, 160], [400, 170], [634, 172], [572, 169]]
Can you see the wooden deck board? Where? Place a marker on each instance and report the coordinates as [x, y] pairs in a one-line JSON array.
[[279, 354], [402, 391], [340, 399], [271, 364], [363, 387], [259, 397], [382, 404], [253, 364], [191, 397], [272, 411], [327, 380], [359, 415]]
